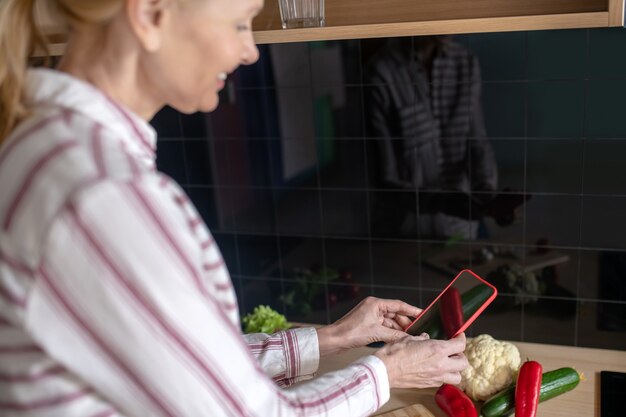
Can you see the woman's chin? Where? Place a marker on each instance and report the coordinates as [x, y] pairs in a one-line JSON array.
[[205, 106]]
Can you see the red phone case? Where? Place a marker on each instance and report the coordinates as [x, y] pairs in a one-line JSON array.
[[473, 317]]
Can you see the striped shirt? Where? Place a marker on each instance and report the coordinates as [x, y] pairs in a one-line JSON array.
[[114, 298]]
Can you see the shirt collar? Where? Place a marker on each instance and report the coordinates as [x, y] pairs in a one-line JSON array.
[[47, 87]]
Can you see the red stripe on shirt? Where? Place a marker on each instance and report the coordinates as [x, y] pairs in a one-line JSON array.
[[212, 267], [206, 244], [153, 312], [132, 125], [11, 298], [167, 235], [194, 223], [45, 403], [181, 200], [107, 349], [20, 349], [375, 381], [16, 265], [106, 413], [28, 132], [327, 397], [98, 153], [34, 377], [132, 163], [24, 187]]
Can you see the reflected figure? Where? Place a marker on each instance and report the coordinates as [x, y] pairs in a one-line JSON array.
[[423, 106]]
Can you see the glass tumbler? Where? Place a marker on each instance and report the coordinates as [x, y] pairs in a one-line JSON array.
[[301, 13]]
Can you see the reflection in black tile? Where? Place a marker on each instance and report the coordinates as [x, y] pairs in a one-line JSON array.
[[554, 54], [344, 297], [335, 63], [258, 74], [395, 263], [296, 113], [393, 214], [504, 109], [501, 56], [298, 212], [197, 125], [603, 61], [171, 160], [291, 64], [258, 256], [167, 123], [254, 210], [604, 108], [502, 320], [556, 269], [550, 321], [554, 166], [602, 275], [350, 257], [344, 213], [294, 163], [257, 292], [604, 167], [589, 274], [338, 112], [556, 109], [227, 245], [492, 232], [299, 254], [410, 296], [509, 155], [553, 219], [441, 262], [445, 216], [202, 160], [602, 325], [248, 162], [342, 163], [604, 222], [307, 303], [215, 205]]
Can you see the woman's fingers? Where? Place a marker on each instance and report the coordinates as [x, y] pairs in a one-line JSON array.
[[392, 324], [400, 307], [453, 378]]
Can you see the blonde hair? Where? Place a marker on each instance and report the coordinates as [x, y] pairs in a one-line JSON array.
[[21, 35]]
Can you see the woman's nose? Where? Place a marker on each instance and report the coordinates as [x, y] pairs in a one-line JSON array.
[[250, 53]]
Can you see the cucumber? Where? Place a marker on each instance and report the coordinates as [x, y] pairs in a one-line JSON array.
[[471, 299], [553, 383]]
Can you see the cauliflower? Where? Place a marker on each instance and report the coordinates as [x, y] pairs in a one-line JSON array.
[[493, 365]]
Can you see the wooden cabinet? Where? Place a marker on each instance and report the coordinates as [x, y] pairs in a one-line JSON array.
[[353, 19], [349, 19]]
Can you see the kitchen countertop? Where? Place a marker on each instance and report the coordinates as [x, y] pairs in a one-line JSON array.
[[583, 401]]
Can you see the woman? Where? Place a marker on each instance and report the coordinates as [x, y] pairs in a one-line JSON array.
[[114, 299]]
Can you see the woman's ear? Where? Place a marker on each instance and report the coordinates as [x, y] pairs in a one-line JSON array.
[[146, 18]]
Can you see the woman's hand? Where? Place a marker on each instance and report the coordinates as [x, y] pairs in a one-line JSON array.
[[417, 362], [372, 320]]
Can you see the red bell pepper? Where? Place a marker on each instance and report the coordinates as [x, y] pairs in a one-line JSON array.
[[451, 309], [527, 389], [454, 402]]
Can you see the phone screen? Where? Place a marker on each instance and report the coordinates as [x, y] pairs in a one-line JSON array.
[[455, 308]]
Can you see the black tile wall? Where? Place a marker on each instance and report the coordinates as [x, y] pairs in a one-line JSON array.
[[313, 210]]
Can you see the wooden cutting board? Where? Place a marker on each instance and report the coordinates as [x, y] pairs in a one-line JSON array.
[[415, 410]]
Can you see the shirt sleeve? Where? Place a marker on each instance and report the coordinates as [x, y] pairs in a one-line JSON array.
[[119, 301], [288, 356]]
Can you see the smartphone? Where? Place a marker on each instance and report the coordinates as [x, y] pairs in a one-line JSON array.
[[455, 308]]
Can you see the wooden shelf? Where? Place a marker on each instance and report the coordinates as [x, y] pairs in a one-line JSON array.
[[353, 19], [359, 19]]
